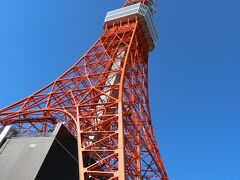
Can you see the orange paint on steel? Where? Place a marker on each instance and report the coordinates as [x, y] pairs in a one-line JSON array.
[[103, 100]]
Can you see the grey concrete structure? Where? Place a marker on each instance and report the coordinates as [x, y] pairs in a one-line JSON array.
[[40, 158]]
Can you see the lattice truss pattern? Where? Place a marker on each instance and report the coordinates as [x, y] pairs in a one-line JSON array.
[[103, 101]]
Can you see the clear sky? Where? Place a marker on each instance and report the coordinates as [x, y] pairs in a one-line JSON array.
[[194, 72]]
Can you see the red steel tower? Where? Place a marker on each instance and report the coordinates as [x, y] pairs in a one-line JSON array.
[[103, 101]]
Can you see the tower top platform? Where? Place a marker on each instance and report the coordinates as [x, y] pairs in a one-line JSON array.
[[152, 4], [130, 13]]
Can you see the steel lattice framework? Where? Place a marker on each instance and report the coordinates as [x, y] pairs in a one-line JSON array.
[[103, 100]]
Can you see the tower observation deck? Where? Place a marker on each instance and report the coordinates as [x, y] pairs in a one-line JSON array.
[[103, 101], [129, 13]]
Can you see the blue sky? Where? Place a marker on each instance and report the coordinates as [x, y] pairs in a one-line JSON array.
[[194, 72]]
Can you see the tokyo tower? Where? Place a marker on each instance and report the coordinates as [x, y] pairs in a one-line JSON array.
[[103, 101]]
